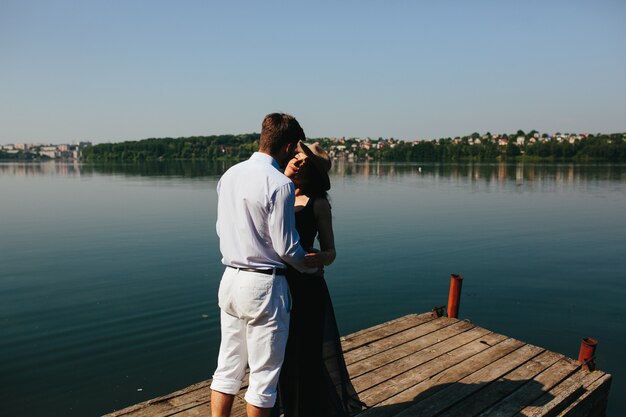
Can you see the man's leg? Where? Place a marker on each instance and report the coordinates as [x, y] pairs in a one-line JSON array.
[[254, 411], [221, 404], [232, 358], [266, 339]]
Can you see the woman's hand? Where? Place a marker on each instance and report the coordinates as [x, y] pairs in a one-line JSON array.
[[314, 259]]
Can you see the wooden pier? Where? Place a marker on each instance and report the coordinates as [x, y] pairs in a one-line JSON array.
[[424, 365]]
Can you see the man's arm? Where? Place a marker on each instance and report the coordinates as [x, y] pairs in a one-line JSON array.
[[282, 225]]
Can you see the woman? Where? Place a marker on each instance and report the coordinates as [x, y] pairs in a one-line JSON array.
[[314, 381]]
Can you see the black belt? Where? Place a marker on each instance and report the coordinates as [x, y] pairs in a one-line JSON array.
[[261, 271]]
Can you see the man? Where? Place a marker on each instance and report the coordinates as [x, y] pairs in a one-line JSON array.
[[256, 227]]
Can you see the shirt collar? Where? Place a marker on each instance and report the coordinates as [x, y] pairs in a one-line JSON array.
[[263, 157]]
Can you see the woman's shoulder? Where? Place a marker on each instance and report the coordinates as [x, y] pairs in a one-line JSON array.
[[321, 205]]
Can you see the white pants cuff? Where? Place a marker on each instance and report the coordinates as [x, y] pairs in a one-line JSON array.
[[260, 400], [226, 385]]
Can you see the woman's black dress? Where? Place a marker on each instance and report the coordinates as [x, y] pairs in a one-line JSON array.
[[314, 381]]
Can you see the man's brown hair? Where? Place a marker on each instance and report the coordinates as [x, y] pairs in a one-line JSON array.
[[277, 130]]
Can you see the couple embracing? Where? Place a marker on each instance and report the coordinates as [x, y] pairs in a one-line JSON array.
[[276, 314]]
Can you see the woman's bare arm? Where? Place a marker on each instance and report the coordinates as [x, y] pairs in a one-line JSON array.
[[323, 218]]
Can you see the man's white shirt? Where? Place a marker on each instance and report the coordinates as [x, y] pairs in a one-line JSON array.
[[255, 217]]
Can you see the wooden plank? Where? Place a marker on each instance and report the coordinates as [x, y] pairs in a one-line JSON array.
[[355, 339], [450, 394], [396, 339], [176, 405], [177, 402], [161, 402], [239, 407], [561, 396], [419, 365], [401, 391], [384, 330], [204, 410], [502, 387], [184, 400], [534, 389], [397, 352], [593, 402], [392, 369], [170, 409]]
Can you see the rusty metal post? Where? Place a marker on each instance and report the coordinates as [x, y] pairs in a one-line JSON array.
[[454, 297], [586, 355]]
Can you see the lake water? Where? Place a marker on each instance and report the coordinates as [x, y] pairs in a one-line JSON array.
[[109, 273]]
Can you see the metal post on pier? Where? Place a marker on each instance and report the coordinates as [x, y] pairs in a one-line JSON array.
[[586, 355], [454, 297]]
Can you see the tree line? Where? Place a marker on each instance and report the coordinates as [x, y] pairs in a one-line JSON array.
[[599, 147], [17, 156], [221, 147]]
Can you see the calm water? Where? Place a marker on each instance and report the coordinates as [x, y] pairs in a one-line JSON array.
[[109, 274]]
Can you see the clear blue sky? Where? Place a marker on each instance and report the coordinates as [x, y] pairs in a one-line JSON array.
[[109, 71]]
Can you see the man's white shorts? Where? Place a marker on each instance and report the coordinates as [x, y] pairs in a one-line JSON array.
[[255, 325]]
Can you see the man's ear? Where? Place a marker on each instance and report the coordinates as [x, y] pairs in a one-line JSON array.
[[289, 148]]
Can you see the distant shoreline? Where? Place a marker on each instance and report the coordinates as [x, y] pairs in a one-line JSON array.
[[515, 160], [525, 147]]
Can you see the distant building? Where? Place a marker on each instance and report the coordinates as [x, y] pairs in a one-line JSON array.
[[49, 151]]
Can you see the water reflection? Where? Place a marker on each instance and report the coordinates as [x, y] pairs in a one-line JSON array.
[[519, 172], [39, 169], [185, 169], [497, 172]]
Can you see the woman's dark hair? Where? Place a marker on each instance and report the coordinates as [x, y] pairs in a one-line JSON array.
[[313, 188]]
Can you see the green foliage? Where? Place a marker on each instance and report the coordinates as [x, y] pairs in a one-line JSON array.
[[609, 148], [220, 147], [20, 156], [600, 147]]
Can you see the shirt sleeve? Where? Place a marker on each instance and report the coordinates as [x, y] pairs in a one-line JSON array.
[[282, 226], [217, 221]]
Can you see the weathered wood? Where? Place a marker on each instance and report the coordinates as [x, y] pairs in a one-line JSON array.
[[383, 330], [446, 397], [561, 396], [396, 339], [398, 352], [407, 363], [593, 402], [533, 389], [160, 404], [498, 389], [434, 375], [419, 365]]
